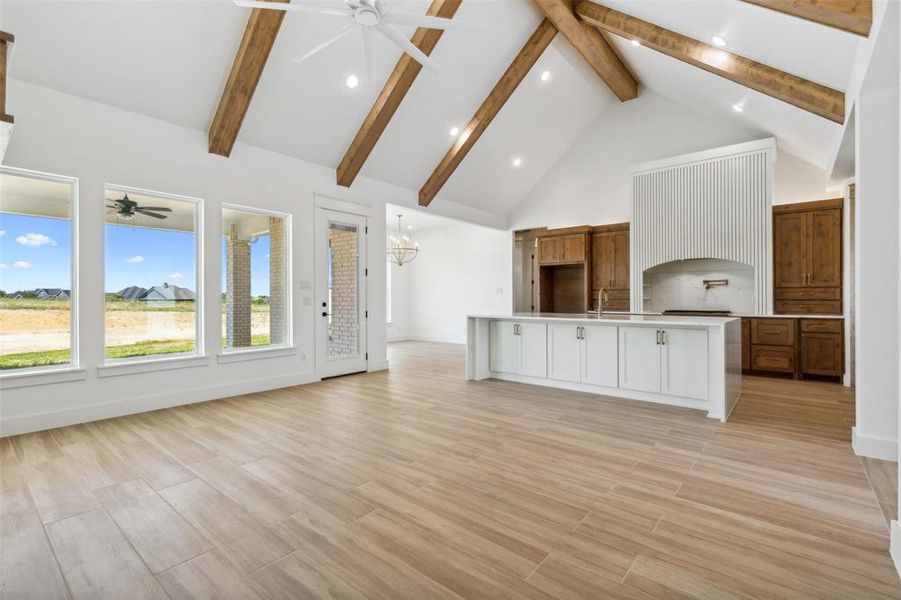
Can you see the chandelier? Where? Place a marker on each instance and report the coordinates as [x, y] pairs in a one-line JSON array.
[[400, 251]]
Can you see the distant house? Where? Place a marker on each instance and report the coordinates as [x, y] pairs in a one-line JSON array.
[[168, 294], [132, 292], [44, 294]]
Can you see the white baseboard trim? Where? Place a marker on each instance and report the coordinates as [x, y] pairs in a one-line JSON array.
[[895, 545], [435, 338], [378, 365], [873, 446], [106, 410]]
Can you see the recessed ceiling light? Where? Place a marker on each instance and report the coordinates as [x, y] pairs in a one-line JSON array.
[[636, 43], [718, 41], [454, 131], [545, 76], [517, 161], [409, 227], [738, 108], [352, 81]]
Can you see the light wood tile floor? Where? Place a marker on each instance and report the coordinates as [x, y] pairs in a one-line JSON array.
[[417, 484]]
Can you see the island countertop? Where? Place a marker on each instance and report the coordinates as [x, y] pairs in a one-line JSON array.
[[622, 318]]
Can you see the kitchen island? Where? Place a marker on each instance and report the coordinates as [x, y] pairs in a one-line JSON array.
[[693, 362]]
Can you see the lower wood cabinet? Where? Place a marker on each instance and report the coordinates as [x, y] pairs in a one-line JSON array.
[[669, 361], [519, 348], [582, 353], [794, 346]]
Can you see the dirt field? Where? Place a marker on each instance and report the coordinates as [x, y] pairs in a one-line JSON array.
[[29, 330]]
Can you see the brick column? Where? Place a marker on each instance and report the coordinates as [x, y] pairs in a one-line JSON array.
[[277, 280], [237, 300]]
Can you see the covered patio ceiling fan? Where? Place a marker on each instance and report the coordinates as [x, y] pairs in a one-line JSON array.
[[369, 16]]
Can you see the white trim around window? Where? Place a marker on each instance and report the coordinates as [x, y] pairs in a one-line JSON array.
[[69, 371], [123, 366]]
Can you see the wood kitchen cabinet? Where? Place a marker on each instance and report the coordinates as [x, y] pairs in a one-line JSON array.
[[793, 346], [807, 257], [564, 270], [610, 261]]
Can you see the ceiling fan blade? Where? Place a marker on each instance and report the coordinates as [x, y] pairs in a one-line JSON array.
[[320, 10], [399, 40], [344, 31], [429, 22], [150, 214], [367, 50], [156, 208]]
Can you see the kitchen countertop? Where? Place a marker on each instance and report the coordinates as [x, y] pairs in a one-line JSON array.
[[742, 315], [609, 317]]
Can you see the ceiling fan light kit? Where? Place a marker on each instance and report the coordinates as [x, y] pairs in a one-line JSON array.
[[369, 16]]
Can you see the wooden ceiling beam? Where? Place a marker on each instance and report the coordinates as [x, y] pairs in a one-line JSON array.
[[399, 82], [794, 90], [593, 46], [853, 16], [503, 89], [259, 36], [5, 40]]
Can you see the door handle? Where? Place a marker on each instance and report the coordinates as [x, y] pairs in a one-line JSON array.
[[325, 314]]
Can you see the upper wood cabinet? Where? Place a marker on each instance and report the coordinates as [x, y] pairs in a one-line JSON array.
[[610, 258], [557, 249], [807, 257]]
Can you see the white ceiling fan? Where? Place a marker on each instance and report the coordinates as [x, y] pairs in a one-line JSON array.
[[369, 16]]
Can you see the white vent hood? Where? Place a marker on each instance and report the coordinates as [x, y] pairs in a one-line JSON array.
[[712, 204]]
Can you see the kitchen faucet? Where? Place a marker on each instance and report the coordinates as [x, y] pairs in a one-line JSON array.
[[602, 297]]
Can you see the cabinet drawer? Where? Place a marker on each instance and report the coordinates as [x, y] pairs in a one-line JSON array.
[[773, 332], [821, 326], [809, 293], [810, 307], [780, 359]]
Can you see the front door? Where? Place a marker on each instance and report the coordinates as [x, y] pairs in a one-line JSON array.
[[340, 293]]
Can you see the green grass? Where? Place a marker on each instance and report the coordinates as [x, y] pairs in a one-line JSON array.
[[25, 360], [46, 358], [33, 304]]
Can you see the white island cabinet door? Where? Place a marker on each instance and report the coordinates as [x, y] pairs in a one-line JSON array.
[[504, 351], [684, 363], [600, 355], [533, 349], [639, 359], [564, 352]]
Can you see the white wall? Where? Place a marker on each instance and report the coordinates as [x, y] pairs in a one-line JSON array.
[[399, 327], [66, 135], [461, 269], [590, 184]]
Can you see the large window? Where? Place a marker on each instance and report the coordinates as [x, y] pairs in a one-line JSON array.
[[151, 274], [255, 286], [36, 280]]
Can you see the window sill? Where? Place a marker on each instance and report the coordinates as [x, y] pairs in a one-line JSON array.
[[44, 376], [131, 366], [255, 354]]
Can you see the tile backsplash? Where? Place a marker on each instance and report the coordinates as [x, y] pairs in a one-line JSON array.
[[679, 285]]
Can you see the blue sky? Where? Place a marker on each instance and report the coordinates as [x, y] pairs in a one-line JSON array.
[[35, 252]]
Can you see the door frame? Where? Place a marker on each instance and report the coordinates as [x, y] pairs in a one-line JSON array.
[[366, 212]]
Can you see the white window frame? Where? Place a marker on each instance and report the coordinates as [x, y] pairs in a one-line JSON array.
[[70, 371], [228, 355], [137, 364]]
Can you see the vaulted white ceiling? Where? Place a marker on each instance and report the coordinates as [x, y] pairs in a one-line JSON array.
[[170, 60]]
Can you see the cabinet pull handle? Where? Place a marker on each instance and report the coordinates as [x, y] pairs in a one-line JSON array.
[[658, 337], [663, 338]]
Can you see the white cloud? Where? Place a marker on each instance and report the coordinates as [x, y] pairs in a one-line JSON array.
[[21, 264], [3, 266], [135, 260], [2, 232], [176, 275], [34, 239]]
